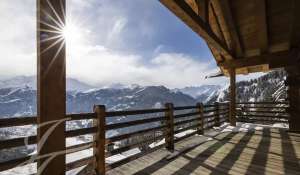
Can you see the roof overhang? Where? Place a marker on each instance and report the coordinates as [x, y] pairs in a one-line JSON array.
[[267, 38]]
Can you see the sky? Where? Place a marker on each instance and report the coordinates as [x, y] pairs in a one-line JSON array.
[[111, 42]]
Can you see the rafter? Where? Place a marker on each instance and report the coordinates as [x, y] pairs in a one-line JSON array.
[[262, 26], [203, 9], [274, 60], [295, 25], [181, 9], [228, 25], [215, 22]]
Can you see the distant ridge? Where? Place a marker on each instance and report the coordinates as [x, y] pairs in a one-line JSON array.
[[30, 81]]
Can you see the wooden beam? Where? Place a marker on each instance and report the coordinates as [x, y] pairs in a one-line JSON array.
[[274, 60], [215, 24], [203, 9], [193, 4], [182, 10], [228, 25], [232, 109], [261, 21], [293, 80], [51, 87], [295, 25]]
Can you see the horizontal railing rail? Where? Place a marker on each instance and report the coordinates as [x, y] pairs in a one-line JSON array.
[[263, 112]]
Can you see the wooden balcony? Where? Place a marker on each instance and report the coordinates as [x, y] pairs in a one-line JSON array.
[[263, 151], [171, 138]]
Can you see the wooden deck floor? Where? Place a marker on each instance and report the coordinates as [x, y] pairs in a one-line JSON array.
[[269, 151]]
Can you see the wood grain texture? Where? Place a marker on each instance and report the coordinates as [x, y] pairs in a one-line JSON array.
[[51, 84], [267, 151]]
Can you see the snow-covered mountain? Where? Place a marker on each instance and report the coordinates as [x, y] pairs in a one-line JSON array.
[[196, 91], [18, 101], [269, 87], [202, 93], [22, 101], [30, 81]]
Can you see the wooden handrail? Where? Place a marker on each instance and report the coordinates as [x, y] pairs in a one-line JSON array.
[[261, 111], [198, 121], [185, 115], [32, 120], [270, 102], [17, 142], [133, 112], [82, 116], [264, 107], [133, 123], [183, 108], [17, 121]]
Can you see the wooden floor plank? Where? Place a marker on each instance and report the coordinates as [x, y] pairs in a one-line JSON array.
[[269, 151]]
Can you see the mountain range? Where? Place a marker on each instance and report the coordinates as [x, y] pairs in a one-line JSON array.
[[18, 95]]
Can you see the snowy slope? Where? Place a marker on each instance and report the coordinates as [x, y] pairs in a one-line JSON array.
[[202, 93]]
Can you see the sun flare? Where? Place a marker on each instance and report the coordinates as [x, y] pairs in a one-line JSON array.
[[72, 35]]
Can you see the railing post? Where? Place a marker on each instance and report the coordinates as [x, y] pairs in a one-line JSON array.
[[201, 117], [169, 114], [232, 112], [100, 139], [228, 112], [217, 114]]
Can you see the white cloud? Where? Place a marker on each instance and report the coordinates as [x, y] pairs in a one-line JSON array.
[[17, 38], [99, 66], [91, 54]]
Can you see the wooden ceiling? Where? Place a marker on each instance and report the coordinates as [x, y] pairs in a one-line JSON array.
[[247, 35]]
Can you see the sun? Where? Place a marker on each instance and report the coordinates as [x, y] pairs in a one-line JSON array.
[[72, 35]]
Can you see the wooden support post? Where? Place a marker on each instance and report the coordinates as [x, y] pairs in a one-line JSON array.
[[232, 110], [228, 112], [170, 126], [201, 118], [293, 81], [217, 114], [100, 139], [51, 86]]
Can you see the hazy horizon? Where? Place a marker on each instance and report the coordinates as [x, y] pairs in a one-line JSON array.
[[118, 84]]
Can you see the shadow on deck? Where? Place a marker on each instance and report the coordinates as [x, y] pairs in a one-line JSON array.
[[262, 151]]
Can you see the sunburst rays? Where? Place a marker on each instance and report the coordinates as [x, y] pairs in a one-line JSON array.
[[52, 25]]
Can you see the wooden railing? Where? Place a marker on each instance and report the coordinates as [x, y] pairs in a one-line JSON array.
[[263, 112], [141, 130], [159, 128], [32, 140]]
